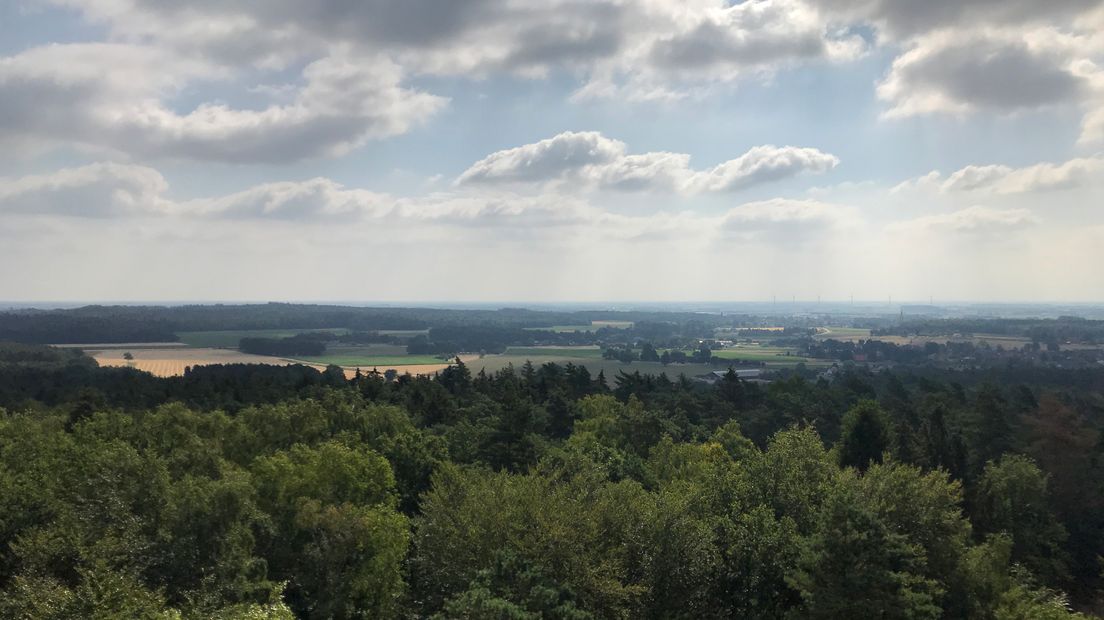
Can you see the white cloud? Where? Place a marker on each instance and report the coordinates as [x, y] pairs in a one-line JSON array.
[[904, 18], [612, 42], [591, 160], [546, 160], [300, 229], [1013, 55], [114, 96], [1092, 126], [750, 36], [95, 190], [1000, 179], [112, 189], [788, 221], [763, 164], [312, 198], [956, 72], [118, 189], [976, 221]]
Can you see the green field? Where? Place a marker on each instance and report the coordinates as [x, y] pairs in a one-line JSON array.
[[230, 339], [775, 356], [369, 355], [365, 361], [591, 357], [566, 352], [842, 333], [493, 363], [403, 332]]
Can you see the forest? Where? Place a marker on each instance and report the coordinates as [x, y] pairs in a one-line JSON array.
[[547, 492], [302, 344], [92, 324]]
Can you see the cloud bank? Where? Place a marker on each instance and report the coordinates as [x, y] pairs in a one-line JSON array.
[[591, 160]]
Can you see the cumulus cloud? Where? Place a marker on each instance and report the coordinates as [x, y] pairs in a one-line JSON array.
[[976, 220], [751, 35], [763, 164], [904, 18], [118, 96], [949, 72], [962, 71], [1001, 179], [313, 198], [1015, 55], [589, 159], [1092, 126], [95, 190], [613, 42], [787, 221], [548, 159], [113, 189], [120, 189]]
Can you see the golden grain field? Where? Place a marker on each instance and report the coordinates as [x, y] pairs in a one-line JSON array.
[[170, 362]]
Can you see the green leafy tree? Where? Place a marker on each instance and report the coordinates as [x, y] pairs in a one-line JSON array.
[[758, 552], [855, 566], [512, 589], [337, 539], [865, 435], [1012, 499], [794, 476]]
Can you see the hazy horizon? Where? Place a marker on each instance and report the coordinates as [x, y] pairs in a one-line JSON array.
[[1006, 309]]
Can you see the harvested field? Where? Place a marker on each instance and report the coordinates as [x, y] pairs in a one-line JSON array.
[[168, 362]]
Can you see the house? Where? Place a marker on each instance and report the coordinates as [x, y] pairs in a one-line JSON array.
[[830, 373]]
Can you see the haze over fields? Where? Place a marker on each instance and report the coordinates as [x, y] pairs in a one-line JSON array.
[[600, 150]]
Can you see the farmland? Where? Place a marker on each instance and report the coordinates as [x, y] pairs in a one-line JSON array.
[[220, 347], [852, 334], [372, 360], [592, 326], [229, 339], [172, 361], [565, 352], [371, 355], [1008, 342], [772, 356], [591, 357], [842, 333], [493, 363]]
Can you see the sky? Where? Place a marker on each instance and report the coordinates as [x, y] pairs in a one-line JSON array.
[[555, 151]]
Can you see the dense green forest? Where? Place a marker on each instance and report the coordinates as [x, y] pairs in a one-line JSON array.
[[1062, 329], [96, 324], [545, 492], [302, 344]]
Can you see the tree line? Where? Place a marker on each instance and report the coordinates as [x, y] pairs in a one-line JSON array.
[[546, 492]]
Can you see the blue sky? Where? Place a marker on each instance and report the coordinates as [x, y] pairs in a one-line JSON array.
[[575, 150]]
